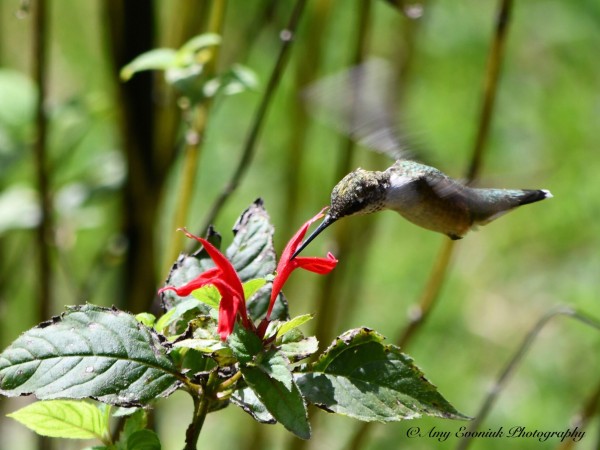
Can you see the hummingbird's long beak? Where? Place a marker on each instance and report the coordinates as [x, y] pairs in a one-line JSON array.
[[326, 222]]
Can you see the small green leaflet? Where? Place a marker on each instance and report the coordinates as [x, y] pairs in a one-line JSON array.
[[293, 323], [64, 419]]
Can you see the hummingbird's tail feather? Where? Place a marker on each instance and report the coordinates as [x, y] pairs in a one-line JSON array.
[[534, 195], [494, 203]]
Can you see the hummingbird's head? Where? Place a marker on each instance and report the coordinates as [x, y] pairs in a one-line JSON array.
[[359, 192]]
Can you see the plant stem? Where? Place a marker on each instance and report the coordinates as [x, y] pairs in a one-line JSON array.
[[287, 37], [514, 362], [196, 119], [490, 87], [44, 229], [434, 284], [330, 290], [590, 408], [193, 432]]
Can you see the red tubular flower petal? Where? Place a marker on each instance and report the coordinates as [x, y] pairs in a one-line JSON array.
[[287, 265], [225, 278], [201, 280], [321, 266]]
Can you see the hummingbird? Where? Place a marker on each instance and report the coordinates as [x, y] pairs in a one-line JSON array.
[[359, 103], [423, 195]]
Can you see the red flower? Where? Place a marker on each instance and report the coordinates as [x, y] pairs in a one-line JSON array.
[[287, 265], [226, 280]]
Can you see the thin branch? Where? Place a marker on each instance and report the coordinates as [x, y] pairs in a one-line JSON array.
[[330, 290], [490, 87], [590, 408], [515, 361], [287, 38], [44, 229], [439, 271], [196, 118]]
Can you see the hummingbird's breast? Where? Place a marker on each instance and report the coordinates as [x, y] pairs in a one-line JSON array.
[[427, 197]]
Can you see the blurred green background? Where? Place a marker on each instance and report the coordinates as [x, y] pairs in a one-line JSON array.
[[114, 160]]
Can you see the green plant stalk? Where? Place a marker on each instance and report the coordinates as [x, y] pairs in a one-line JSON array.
[[590, 408], [197, 120], [44, 228], [40, 151], [434, 284], [287, 38], [304, 74], [515, 361], [329, 297], [193, 432]]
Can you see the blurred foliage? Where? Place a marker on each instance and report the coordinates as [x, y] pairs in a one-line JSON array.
[[504, 277]]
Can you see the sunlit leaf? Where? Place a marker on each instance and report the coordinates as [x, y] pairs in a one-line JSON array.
[[86, 352], [64, 419], [360, 377], [157, 59]]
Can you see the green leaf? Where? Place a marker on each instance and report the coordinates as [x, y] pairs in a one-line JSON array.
[[64, 419], [258, 305], [199, 42], [275, 365], [286, 406], [299, 350], [244, 344], [143, 440], [208, 295], [146, 319], [247, 400], [134, 423], [252, 286], [293, 323], [234, 81], [252, 252], [89, 351], [360, 377], [188, 267], [157, 59]]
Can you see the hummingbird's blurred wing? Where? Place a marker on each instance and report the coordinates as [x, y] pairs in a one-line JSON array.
[[359, 102]]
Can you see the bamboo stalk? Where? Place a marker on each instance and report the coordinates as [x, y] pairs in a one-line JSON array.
[[287, 38], [438, 275], [44, 230], [196, 119]]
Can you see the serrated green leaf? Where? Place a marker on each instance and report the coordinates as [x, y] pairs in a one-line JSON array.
[[252, 252], [188, 267], [252, 286], [299, 350], [286, 406], [275, 365], [89, 351], [143, 440], [244, 344], [247, 400], [64, 419], [360, 377], [258, 305], [293, 323], [157, 59], [208, 295]]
